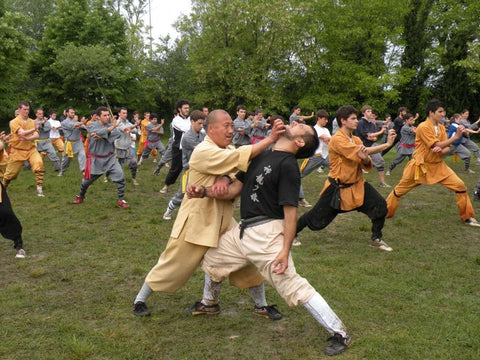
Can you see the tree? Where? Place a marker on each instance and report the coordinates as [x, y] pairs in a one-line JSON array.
[[13, 60]]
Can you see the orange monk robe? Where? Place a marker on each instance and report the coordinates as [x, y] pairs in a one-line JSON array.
[[428, 167], [346, 168]]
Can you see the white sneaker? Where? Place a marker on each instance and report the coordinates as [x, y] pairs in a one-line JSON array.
[[472, 222], [304, 203], [167, 165], [20, 254], [469, 171], [387, 173], [296, 242], [379, 244], [135, 182], [384, 185], [60, 173], [320, 170], [154, 160], [167, 215], [40, 192], [105, 179], [164, 190]]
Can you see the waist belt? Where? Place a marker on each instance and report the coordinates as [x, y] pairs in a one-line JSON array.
[[257, 220], [407, 146], [335, 203]]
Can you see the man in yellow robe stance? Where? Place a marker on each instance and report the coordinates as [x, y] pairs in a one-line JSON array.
[[428, 167]]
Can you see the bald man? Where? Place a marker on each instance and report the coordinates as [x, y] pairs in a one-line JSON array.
[[200, 222]]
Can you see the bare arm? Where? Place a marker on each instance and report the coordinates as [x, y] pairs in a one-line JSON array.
[[281, 261], [378, 148], [197, 191]]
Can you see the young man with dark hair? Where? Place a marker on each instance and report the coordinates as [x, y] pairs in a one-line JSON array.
[[320, 158], [101, 157], [123, 145], [180, 125], [265, 234], [242, 128], [345, 189], [428, 167], [73, 144], [368, 133], [296, 117], [43, 143], [190, 140]]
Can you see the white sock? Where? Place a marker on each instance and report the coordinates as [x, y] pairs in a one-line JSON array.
[[318, 307], [258, 295], [143, 294], [211, 291]]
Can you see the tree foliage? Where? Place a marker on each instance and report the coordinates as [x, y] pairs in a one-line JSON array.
[[270, 55]]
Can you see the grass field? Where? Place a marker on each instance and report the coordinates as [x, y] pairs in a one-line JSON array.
[[71, 297]]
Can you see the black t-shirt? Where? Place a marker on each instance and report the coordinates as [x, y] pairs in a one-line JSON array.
[[397, 126], [271, 181]]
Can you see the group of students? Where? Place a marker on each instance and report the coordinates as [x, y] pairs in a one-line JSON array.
[[269, 184]]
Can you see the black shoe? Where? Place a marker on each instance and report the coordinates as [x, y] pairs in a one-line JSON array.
[[338, 344], [201, 309], [268, 312], [140, 309], [157, 170]]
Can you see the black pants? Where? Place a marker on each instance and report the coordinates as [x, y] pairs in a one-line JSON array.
[[10, 226], [176, 167], [322, 214]]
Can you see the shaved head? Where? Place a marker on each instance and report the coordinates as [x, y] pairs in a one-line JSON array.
[[213, 117]]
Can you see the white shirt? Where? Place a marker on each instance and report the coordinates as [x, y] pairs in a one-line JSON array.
[[322, 147], [54, 133]]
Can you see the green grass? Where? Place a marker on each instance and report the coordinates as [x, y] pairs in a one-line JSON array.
[[71, 297]]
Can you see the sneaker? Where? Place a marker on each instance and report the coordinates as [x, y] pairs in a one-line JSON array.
[[164, 190], [296, 242], [469, 171], [200, 309], [268, 312], [154, 160], [140, 309], [122, 204], [135, 182], [477, 162], [20, 254], [78, 200], [379, 244], [304, 203], [105, 179], [167, 215], [384, 185], [338, 344], [320, 170], [387, 173], [40, 192], [60, 173], [167, 165], [476, 194], [472, 222]]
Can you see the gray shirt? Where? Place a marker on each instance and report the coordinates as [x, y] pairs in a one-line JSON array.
[[124, 141], [189, 140], [43, 129], [153, 136], [70, 132], [260, 130], [105, 145], [246, 126]]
